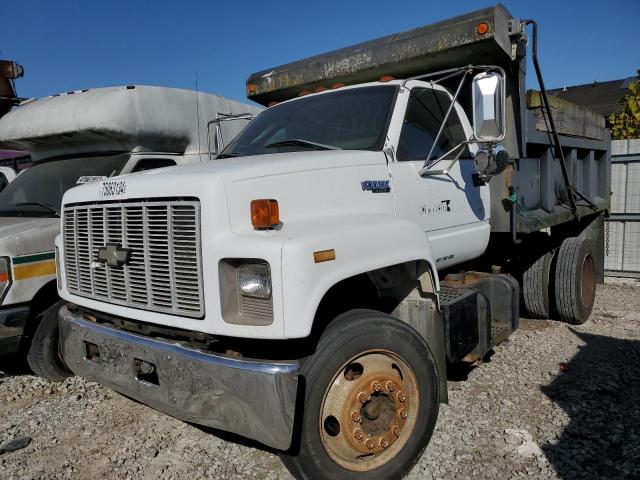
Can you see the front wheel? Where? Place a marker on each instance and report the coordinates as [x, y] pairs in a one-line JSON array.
[[371, 401], [43, 355]]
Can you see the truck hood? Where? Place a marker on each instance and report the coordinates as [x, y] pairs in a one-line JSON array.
[[306, 184], [21, 236], [245, 168]]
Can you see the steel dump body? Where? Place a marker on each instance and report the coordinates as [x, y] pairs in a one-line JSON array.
[[452, 42], [536, 176]]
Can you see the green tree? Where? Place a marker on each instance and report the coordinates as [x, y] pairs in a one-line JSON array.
[[626, 124]]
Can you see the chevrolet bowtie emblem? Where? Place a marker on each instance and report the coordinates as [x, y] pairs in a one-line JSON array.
[[113, 255]]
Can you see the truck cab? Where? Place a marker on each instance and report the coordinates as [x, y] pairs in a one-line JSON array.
[[79, 138]]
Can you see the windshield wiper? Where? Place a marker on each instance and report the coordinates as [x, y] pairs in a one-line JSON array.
[[295, 142], [227, 155], [39, 204]]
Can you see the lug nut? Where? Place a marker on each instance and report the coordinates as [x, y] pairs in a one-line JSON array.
[[355, 417], [358, 434], [396, 431], [401, 397], [391, 386], [404, 414], [384, 443], [369, 443], [376, 387], [363, 397]]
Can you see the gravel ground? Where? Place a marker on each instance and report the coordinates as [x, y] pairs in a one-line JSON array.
[[554, 401]]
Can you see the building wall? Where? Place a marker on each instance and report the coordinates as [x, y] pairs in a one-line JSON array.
[[622, 235]]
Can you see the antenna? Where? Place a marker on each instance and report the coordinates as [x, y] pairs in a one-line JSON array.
[[195, 72]]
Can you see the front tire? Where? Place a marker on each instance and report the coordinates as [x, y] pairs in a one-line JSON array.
[[371, 401], [43, 354]]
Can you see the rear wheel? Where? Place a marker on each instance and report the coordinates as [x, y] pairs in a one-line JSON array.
[[575, 280], [371, 401], [536, 282]]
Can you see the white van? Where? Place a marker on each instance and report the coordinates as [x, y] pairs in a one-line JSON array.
[[82, 137]]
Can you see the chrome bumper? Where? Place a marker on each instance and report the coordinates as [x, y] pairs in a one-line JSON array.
[[252, 399], [12, 323]]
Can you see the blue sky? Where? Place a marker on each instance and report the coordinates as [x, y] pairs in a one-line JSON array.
[[66, 45]]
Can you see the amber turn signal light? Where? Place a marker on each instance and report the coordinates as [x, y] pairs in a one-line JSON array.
[[324, 256], [264, 213], [482, 28]]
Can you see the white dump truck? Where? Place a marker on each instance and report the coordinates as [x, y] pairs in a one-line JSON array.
[[378, 222], [82, 137]]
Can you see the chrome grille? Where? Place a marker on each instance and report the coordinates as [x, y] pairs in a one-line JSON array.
[[163, 273]]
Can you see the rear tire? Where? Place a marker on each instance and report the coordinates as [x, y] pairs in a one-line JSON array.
[[43, 355], [536, 282], [371, 401], [575, 280]]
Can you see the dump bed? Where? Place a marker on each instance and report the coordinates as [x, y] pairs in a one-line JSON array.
[[117, 119]]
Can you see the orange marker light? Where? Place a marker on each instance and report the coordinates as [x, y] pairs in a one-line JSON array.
[[482, 28], [337, 85], [320, 89], [251, 88], [4, 277], [324, 256], [303, 93], [272, 104], [386, 78], [265, 213]]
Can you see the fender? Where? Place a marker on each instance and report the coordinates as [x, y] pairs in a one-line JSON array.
[[361, 243]]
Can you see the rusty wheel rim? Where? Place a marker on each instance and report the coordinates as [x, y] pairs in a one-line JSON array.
[[588, 284], [369, 410]]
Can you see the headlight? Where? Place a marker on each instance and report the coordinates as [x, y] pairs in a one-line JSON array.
[[254, 280], [5, 276]]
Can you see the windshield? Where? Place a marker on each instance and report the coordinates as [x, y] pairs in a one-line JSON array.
[[37, 192], [350, 119]]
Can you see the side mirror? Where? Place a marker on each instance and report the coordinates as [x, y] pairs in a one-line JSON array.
[[488, 92]]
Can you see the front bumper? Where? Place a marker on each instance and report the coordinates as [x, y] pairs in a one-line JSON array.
[[12, 323], [249, 398]]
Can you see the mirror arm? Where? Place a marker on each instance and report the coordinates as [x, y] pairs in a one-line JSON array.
[[223, 117], [446, 117], [425, 170]]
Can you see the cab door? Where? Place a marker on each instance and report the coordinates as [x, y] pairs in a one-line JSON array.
[[452, 211]]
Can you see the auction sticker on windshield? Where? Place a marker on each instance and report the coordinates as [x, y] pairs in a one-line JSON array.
[[90, 179], [112, 189]]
